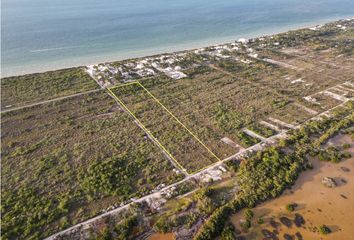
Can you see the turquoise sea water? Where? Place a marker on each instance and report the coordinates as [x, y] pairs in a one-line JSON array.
[[39, 35]]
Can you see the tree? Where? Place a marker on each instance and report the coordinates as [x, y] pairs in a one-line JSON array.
[[123, 230], [163, 224], [346, 146], [248, 214], [228, 232], [260, 220], [291, 207], [106, 235], [245, 225], [324, 229]]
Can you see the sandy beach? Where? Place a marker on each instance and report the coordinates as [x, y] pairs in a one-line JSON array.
[[61, 57]]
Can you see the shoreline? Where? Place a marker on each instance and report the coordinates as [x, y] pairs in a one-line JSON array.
[[168, 49], [317, 203]]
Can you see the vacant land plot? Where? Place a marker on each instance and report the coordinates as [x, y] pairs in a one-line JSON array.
[[31, 88], [59, 157], [306, 82], [321, 58], [325, 101], [68, 160], [292, 114], [216, 103], [185, 148]]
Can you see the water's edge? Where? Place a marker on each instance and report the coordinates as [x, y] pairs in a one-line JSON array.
[[119, 56]]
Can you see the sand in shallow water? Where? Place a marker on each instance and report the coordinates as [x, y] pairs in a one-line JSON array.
[[162, 236], [316, 203]]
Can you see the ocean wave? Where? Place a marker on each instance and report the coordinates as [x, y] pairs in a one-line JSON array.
[[52, 49]]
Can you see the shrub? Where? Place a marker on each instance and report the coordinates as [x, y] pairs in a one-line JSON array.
[[163, 224], [324, 229], [248, 214], [346, 146], [346, 155], [192, 218], [215, 224], [228, 232], [228, 120], [331, 154], [266, 174], [290, 207], [260, 220], [246, 139], [124, 229], [309, 166], [105, 235], [245, 225], [233, 165]]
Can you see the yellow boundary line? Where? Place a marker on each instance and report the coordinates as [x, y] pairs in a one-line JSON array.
[[179, 122], [190, 132], [147, 131], [122, 85]]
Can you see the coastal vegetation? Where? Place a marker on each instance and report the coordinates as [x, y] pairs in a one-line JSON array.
[[172, 134], [63, 162], [32, 88], [268, 173], [290, 207], [324, 229], [69, 160]]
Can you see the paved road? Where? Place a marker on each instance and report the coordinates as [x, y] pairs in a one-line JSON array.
[[49, 101]]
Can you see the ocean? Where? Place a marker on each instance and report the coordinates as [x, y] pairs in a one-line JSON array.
[[41, 35]]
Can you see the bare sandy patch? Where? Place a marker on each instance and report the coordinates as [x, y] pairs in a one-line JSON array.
[[317, 204], [162, 236]]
